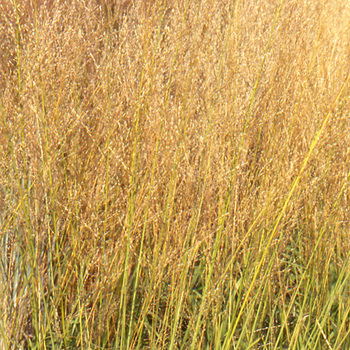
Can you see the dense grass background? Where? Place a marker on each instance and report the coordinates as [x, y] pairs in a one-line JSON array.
[[175, 175]]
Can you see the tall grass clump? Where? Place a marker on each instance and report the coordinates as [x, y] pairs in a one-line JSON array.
[[174, 174]]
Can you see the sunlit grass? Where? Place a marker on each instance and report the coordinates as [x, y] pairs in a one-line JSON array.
[[174, 175]]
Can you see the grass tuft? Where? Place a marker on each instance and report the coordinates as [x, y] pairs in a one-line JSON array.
[[174, 174]]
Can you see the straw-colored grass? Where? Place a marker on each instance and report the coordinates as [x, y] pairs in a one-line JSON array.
[[174, 175]]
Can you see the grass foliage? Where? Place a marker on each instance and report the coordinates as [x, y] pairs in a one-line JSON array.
[[174, 174]]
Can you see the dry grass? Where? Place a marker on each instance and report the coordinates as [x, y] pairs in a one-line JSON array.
[[175, 175]]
